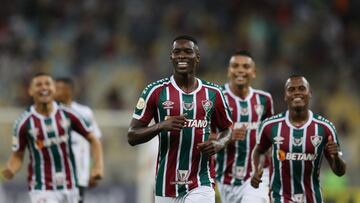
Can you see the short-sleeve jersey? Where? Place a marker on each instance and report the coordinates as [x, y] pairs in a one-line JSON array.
[[296, 156], [80, 146], [233, 164], [52, 164], [181, 167]]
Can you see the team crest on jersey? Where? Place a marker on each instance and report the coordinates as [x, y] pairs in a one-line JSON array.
[[298, 198], [168, 104], [278, 140], [34, 132], [259, 109], [297, 141], [188, 106], [182, 177], [207, 105], [244, 111], [316, 140], [49, 128], [140, 104]]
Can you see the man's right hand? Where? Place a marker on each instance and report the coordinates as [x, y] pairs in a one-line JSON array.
[[256, 178], [238, 133], [170, 123]]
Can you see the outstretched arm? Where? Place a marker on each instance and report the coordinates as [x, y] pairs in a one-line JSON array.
[[13, 165], [140, 132], [336, 163]]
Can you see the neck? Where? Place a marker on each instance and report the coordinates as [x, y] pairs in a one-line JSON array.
[[240, 91], [187, 83], [298, 117], [44, 108]]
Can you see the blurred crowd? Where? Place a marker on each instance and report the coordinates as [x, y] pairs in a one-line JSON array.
[[113, 48]]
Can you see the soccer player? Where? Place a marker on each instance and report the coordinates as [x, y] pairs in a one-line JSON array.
[[248, 107], [299, 138], [183, 107], [80, 146], [44, 128]]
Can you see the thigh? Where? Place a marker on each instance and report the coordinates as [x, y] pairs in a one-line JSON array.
[[44, 197], [202, 194]]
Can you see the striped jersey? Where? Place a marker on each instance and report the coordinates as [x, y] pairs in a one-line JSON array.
[[52, 164], [296, 156], [233, 164], [180, 165]]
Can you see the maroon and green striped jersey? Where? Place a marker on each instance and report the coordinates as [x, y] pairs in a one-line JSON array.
[[52, 164], [296, 156], [180, 165], [233, 164]]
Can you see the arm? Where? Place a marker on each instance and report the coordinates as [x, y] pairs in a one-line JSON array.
[[139, 132], [97, 171], [257, 155], [213, 145], [336, 163], [13, 165]]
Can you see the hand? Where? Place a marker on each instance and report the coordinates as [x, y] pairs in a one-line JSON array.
[[6, 174], [256, 178], [239, 133], [331, 148], [96, 176], [210, 147], [173, 123]]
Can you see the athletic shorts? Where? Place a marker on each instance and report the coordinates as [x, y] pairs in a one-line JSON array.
[[54, 196], [245, 192], [202, 194]]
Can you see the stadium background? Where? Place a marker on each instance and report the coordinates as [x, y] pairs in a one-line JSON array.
[[114, 48]]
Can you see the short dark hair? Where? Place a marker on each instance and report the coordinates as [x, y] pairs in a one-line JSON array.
[[67, 80], [242, 52], [40, 74], [186, 37]]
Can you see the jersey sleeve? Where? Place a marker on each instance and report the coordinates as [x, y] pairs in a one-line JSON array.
[[221, 118], [145, 109], [19, 137], [269, 106], [94, 125], [79, 124], [263, 137]]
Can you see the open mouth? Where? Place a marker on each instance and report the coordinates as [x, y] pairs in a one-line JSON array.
[[182, 64]]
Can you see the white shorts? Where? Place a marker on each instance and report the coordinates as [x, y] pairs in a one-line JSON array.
[[54, 196], [245, 192], [202, 194]]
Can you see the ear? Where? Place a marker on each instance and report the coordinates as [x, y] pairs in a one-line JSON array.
[[253, 74], [197, 57], [30, 92]]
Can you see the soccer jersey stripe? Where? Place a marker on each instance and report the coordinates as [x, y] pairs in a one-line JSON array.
[[276, 182], [308, 166], [286, 172], [316, 163], [175, 140], [296, 166], [60, 125], [164, 142]]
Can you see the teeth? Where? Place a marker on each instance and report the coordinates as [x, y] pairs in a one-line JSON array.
[[297, 99], [44, 93], [182, 63]]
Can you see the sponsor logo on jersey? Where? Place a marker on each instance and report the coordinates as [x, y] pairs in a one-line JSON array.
[[188, 106], [140, 104], [244, 111], [316, 140], [168, 104], [278, 140], [207, 105], [293, 156], [39, 144], [297, 141], [248, 125], [259, 109], [182, 177], [193, 123]]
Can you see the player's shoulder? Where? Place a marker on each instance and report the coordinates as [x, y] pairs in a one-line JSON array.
[[211, 85], [262, 92], [159, 83], [275, 118], [23, 116], [320, 119]]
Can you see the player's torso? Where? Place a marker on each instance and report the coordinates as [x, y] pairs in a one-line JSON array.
[[181, 167], [233, 165], [51, 166], [296, 159]]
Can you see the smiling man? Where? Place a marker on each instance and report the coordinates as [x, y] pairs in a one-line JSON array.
[[44, 128], [183, 107], [299, 138]]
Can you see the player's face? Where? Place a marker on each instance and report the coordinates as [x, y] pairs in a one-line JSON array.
[[63, 92], [297, 93], [42, 89], [241, 70], [184, 56]]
